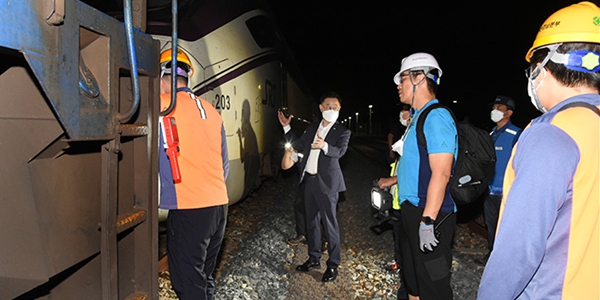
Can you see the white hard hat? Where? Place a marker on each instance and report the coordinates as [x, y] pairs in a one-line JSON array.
[[419, 61]]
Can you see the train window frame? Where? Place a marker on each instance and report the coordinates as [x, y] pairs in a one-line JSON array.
[[263, 31]]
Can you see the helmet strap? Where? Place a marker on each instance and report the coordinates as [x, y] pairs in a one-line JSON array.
[[412, 101], [539, 68], [414, 86]]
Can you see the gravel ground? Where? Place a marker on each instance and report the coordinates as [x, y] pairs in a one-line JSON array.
[[257, 263]]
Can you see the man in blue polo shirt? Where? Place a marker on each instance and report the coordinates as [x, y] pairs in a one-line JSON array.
[[505, 135], [428, 219]]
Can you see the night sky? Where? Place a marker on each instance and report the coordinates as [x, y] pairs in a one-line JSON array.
[[355, 48]]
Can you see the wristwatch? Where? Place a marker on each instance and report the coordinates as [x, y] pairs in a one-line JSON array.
[[427, 220]]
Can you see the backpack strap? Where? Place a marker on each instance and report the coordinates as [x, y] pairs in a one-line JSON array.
[[581, 104], [421, 121]]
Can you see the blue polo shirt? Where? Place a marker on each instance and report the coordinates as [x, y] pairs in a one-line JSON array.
[[413, 171]]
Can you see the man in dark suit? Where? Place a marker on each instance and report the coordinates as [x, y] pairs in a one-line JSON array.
[[317, 152]]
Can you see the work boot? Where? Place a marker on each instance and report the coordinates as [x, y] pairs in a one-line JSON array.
[[299, 239]]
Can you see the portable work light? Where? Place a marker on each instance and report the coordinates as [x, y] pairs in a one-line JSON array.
[[381, 200]]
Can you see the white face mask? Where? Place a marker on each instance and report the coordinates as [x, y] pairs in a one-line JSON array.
[[404, 122], [330, 115], [532, 92], [496, 115]]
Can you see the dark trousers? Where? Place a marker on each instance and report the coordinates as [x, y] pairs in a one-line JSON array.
[[427, 274], [491, 212], [397, 228], [194, 238], [321, 207], [300, 211]]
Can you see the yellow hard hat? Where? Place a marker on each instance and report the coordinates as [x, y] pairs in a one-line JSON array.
[[576, 23], [165, 58]]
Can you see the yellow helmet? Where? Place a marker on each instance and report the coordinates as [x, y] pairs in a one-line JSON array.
[[165, 59], [576, 23]]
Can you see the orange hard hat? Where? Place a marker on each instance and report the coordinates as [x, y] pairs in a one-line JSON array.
[[576, 23], [165, 59]]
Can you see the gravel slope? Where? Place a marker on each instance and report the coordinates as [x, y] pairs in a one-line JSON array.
[[257, 263]]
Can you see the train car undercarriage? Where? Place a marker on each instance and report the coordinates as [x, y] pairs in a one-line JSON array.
[[79, 197]]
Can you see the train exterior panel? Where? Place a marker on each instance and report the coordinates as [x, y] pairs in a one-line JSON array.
[[240, 67]]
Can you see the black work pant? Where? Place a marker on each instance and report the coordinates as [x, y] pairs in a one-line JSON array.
[[427, 275], [491, 212], [321, 207], [397, 228], [194, 238], [300, 211]]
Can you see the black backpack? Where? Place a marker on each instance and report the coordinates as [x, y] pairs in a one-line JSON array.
[[475, 162]]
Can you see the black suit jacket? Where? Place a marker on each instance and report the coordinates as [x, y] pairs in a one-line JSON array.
[[329, 174]]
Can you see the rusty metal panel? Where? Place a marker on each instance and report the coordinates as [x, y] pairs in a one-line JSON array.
[[28, 125], [53, 52], [82, 185]]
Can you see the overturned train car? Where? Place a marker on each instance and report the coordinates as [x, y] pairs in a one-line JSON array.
[[242, 65], [78, 133]]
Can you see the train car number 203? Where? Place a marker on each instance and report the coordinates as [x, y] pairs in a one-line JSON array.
[[222, 102]]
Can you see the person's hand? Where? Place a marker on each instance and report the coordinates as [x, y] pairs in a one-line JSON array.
[[319, 142], [289, 149], [427, 240], [286, 161], [283, 120], [385, 182]]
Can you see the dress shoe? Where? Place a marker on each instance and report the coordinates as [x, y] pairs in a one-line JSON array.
[[482, 261], [394, 267], [299, 239], [308, 265], [330, 274]]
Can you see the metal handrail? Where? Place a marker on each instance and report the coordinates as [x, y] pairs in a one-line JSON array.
[[127, 12]]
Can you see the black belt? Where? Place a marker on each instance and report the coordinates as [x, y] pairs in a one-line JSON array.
[[311, 175]]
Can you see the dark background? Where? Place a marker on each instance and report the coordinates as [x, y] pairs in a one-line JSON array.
[[355, 48]]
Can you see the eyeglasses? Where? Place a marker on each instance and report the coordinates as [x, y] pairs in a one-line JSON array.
[[409, 73], [532, 72]]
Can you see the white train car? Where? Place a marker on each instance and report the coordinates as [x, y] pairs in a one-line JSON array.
[[242, 66]]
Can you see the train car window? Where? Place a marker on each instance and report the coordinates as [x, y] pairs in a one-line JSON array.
[[263, 31]]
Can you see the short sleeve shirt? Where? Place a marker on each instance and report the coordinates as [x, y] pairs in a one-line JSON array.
[[414, 172]]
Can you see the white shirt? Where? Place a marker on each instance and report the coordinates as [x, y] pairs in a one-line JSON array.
[[312, 162]]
